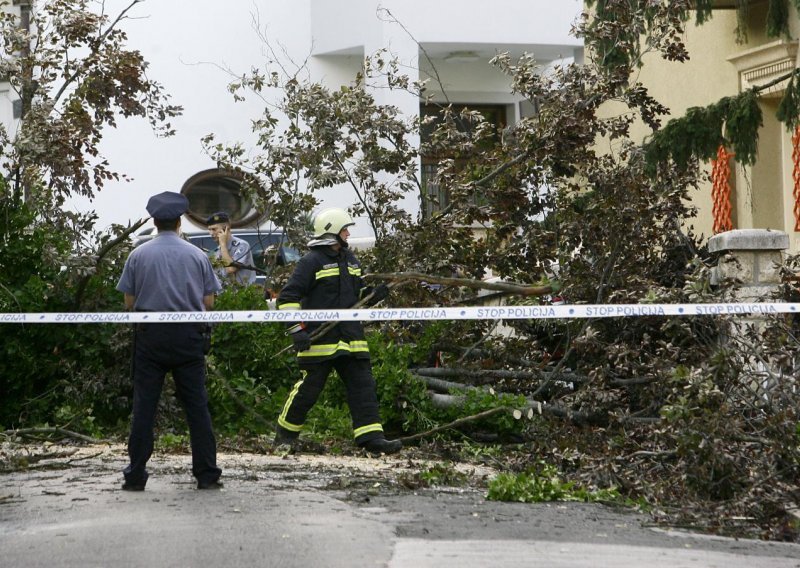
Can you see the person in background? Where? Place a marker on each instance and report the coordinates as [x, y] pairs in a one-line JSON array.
[[329, 277], [232, 251], [168, 274]]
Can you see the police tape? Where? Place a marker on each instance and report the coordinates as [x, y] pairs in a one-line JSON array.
[[411, 314]]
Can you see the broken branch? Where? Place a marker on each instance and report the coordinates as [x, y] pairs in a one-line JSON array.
[[597, 418], [519, 289], [61, 432], [484, 374], [455, 423]]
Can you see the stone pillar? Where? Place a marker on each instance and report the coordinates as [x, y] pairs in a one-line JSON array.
[[752, 256]]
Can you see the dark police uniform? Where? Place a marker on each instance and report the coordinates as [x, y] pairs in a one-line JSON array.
[[169, 274], [329, 279]]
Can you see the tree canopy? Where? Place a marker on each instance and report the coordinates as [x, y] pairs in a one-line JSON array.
[[74, 76]]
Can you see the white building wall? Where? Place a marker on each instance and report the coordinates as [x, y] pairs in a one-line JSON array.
[[341, 25], [424, 36], [196, 47], [7, 94], [7, 97]]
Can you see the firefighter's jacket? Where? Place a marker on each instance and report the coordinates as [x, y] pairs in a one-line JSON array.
[[327, 279]]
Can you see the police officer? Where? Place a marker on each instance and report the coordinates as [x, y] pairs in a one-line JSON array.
[[231, 250], [329, 277], [169, 274]]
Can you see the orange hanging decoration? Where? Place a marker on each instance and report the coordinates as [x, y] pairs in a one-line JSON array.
[[721, 190], [796, 176]]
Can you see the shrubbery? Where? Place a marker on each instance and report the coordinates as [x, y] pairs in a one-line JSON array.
[[78, 375], [543, 482], [252, 368], [74, 374], [246, 376]]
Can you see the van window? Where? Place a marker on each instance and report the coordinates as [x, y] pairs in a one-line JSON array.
[[259, 242]]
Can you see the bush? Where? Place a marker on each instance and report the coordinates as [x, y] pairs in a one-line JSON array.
[[405, 405], [57, 372], [543, 483], [252, 368], [247, 377]]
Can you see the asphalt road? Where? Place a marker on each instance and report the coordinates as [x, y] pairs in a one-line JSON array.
[[323, 512]]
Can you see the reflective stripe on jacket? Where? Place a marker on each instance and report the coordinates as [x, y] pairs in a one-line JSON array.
[[327, 279]]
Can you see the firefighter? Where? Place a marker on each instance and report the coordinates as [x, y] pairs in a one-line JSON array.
[[329, 277]]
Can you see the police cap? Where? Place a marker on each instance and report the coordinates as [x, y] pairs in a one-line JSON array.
[[167, 205], [218, 217]]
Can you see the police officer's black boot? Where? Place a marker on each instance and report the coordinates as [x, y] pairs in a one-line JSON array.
[[285, 440], [382, 446]]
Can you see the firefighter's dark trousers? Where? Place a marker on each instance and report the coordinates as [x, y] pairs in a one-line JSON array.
[[361, 396], [178, 348]]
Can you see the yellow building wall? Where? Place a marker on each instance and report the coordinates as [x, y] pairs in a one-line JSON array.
[[762, 195], [705, 78], [765, 193], [760, 204]]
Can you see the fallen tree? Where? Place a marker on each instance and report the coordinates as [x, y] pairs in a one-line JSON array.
[[507, 287], [487, 376]]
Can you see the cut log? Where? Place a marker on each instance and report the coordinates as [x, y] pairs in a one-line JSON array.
[[483, 376], [597, 419], [507, 287]]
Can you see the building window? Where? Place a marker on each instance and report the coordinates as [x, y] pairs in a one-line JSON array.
[[215, 190], [436, 198]]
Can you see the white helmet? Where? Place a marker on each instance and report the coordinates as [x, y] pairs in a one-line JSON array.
[[331, 222]]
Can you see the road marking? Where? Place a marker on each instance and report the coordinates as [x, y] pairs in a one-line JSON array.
[[422, 553]]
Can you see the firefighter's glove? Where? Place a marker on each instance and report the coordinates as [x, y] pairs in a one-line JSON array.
[[380, 292], [302, 340]]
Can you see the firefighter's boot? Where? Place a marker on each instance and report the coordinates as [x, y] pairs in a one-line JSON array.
[[382, 446], [285, 441]]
